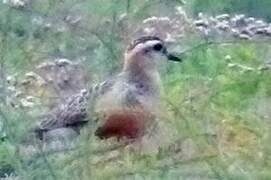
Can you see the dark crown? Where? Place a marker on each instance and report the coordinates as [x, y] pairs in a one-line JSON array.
[[142, 39]]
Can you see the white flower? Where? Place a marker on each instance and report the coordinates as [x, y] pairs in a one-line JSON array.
[[169, 38], [228, 57], [15, 3], [27, 103], [223, 17], [150, 19], [155, 19], [244, 36], [31, 75], [231, 65], [63, 62], [149, 30]]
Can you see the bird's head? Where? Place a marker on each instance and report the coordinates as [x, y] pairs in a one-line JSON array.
[[147, 52]]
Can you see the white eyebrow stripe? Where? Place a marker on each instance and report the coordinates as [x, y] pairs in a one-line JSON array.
[[149, 43]]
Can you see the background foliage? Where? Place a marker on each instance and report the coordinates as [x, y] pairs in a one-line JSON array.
[[250, 7], [219, 113]]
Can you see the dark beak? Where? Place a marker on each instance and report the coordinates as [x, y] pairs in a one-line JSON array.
[[171, 57]]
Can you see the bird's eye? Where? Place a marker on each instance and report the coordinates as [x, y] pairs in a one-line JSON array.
[[158, 47]]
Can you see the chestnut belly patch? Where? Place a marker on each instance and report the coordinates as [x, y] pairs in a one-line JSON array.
[[124, 124]]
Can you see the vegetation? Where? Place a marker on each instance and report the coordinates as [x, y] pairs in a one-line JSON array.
[[250, 7], [217, 102]]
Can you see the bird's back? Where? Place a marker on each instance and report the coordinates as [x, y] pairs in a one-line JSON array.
[[73, 113]]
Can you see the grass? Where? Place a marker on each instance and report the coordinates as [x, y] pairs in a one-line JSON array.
[[217, 117]]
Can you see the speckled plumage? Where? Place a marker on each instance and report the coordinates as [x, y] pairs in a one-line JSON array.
[[73, 112], [125, 104]]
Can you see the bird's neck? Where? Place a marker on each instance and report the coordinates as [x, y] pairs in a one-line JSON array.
[[148, 77]]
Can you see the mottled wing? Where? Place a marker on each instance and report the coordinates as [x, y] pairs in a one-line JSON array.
[[73, 113], [70, 112]]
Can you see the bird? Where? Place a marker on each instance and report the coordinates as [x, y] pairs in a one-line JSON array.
[[124, 106]]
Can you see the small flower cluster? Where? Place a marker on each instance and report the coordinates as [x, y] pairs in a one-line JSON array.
[[59, 78], [223, 26], [244, 69], [16, 3], [237, 26], [169, 29]]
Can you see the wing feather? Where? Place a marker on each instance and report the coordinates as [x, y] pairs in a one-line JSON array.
[[73, 112]]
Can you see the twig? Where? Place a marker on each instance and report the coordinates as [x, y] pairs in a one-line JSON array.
[[107, 45], [43, 156], [128, 6], [172, 165], [108, 149], [209, 43]]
